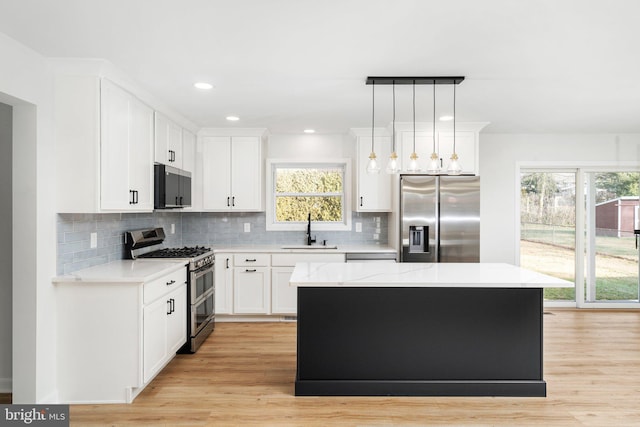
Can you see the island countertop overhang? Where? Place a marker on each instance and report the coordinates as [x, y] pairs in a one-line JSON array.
[[470, 275]]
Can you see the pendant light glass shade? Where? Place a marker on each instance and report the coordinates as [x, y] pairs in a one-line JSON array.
[[392, 165], [434, 164], [454, 165], [373, 167], [413, 163]]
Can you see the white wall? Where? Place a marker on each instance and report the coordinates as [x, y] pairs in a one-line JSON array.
[[310, 147], [499, 154], [26, 84], [6, 150]]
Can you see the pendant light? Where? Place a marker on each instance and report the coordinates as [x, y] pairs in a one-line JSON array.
[[454, 165], [434, 160], [373, 167], [413, 159], [392, 165]]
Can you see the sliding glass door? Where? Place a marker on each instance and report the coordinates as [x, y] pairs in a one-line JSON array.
[[611, 252], [548, 227], [578, 224]]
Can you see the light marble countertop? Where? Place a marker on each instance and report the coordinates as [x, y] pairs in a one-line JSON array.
[[475, 275], [123, 271], [282, 248]]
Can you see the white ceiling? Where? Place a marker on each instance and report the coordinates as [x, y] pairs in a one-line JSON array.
[[287, 65]]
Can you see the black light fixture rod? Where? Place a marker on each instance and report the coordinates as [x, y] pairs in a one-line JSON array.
[[434, 116], [414, 117], [454, 119], [393, 136], [433, 80], [373, 112]]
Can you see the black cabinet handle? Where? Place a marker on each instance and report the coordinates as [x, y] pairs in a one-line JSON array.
[[228, 200], [136, 196], [171, 282], [169, 307], [172, 156], [176, 200], [173, 305], [132, 196], [361, 201], [227, 263], [233, 201], [181, 200], [250, 260], [250, 271]]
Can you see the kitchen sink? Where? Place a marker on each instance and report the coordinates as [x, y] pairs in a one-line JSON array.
[[309, 247]]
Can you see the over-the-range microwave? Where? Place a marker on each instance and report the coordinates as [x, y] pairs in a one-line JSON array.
[[172, 187]]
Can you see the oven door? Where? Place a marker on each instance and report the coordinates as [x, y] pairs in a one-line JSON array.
[[201, 283], [202, 313]]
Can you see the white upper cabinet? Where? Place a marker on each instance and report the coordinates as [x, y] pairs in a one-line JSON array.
[[188, 151], [373, 191], [126, 181], [104, 147], [233, 173], [168, 142]]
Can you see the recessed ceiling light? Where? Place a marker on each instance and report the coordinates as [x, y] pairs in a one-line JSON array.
[[309, 131], [446, 118], [233, 118], [203, 85]]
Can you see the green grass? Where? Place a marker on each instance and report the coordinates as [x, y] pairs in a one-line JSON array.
[[550, 250]]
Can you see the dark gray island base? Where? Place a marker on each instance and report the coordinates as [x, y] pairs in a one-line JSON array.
[[419, 341]]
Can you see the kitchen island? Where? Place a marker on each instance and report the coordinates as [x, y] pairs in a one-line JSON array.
[[411, 329]]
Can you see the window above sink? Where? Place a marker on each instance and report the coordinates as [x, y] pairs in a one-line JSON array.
[[296, 189]]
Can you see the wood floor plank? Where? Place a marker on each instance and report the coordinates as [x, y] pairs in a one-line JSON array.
[[243, 376]]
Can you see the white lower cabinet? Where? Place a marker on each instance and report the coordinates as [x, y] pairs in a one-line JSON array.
[[258, 283], [224, 283], [165, 329], [115, 336], [283, 297], [251, 290]]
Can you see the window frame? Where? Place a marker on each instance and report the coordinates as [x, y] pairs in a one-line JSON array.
[[273, 164]]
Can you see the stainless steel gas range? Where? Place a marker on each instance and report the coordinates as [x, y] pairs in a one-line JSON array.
[[200, 285]]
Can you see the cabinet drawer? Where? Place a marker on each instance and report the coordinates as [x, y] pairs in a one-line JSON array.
[[159, 287], [251, 260], [289, 260]]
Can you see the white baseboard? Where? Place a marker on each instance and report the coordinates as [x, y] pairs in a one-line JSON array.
[[222, 318], [6, 385]]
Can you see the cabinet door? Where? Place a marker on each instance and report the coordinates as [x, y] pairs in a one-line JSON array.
[[224, 284], [374, 190], [216, 173], [141, 155], [177, 319], [168, 142], [246, 173], [174, 142], [188, 151], [114, 148], [161, 150], [251, 290], [155, 336], [284, 298], [465, 148]]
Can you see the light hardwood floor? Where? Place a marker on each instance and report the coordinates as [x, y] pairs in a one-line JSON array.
[[243, 375]]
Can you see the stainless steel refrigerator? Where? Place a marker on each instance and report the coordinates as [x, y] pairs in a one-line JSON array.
[[439, 218]]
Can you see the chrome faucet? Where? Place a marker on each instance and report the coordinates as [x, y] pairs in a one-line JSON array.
[[310, 240]]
